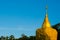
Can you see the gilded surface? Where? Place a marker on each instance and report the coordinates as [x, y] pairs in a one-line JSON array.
[[46, 32]]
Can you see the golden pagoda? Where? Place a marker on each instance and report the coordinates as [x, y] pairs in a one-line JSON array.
[[46, 32]]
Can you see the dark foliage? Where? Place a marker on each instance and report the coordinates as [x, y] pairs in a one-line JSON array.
[[23, 37]]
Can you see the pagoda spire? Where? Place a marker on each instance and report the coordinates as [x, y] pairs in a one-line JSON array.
[[46, 22]]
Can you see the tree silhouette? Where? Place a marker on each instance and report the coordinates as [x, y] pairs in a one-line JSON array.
[[6, 38], [24, 37], [2, 38], [11, 37], [32, 38]]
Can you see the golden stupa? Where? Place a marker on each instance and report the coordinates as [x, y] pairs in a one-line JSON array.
[[46, 32]]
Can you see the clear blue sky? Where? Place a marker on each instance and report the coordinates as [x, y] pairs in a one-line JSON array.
[[25, 16]]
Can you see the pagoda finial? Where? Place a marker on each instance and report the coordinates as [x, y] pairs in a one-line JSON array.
[[46, 9]]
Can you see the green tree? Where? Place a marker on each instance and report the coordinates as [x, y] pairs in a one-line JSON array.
[[11, 37], [23, 37], [6, 38], [2, 38], [32, 38]]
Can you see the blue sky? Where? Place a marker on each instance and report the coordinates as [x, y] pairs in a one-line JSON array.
[[25, 16]]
